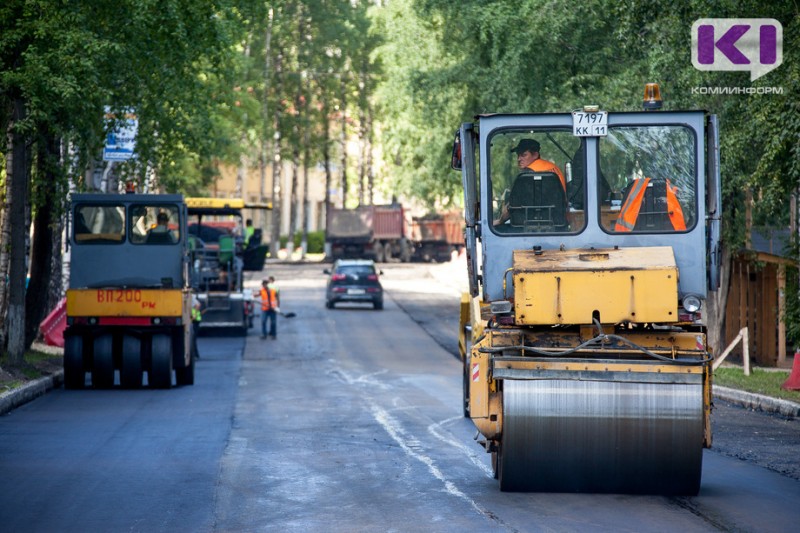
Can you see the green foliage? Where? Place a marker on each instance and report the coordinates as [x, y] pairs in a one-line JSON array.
[[166, 60], [446, 62], [316, 241]]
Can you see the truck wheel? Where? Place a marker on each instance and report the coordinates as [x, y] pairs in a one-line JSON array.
[[160, 375], [130, 375], [103, 367], [185, 375], [377, 250], [74, 372]]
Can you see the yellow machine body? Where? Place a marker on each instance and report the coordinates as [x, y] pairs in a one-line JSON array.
[[625, 284], [128, 302]]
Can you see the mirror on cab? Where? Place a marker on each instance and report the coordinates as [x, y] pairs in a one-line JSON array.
[[455, 162]]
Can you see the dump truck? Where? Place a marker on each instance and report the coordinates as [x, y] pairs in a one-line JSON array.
[[434, 237], [379, 232], [586, 366], [128, 302], [217, 260]]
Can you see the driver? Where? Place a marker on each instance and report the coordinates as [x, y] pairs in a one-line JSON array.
[[528, 158]]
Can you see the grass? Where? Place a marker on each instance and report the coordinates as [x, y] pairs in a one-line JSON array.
[[36, 364], [759, 381]]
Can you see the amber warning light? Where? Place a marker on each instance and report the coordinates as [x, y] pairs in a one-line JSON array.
[[652, 97]]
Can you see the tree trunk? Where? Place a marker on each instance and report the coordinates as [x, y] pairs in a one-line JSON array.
[[306, 202], [241, 172], [293, 203], [326, 157], [5, 242], [47, 199], [265, 117], [343, 141], [362, 136], [17, 179], [275, 237], [717, 303], [370, 169], [326, 162]]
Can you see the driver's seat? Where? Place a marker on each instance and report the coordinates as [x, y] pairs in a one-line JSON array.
[[538, 202]]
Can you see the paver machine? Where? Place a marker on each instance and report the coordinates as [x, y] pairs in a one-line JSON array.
[[217, 256], [128, 302], [586, 364]]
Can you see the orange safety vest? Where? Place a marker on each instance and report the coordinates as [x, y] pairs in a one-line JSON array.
[[629, 212], [543, 165], [269, 297]]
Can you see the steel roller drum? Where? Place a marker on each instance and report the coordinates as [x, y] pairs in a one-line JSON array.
[[565, 435]]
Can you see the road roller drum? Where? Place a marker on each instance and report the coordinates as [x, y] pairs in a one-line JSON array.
[[600, 436]]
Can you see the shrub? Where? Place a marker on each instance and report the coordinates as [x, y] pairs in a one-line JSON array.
[[316, 241]]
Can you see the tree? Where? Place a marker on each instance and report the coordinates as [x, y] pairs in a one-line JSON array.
[[60, 65]]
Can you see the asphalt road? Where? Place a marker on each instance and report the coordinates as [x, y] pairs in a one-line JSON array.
[[349, 421], [120, 460]]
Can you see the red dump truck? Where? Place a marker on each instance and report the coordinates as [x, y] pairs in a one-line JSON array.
[[379, 232], [436, 236]]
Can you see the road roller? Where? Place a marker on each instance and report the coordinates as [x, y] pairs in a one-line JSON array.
[[592, 243], [128, 301]]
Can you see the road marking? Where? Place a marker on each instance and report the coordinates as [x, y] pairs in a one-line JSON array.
[[435, 429], [365, 379], [396, 432], [410, 445]]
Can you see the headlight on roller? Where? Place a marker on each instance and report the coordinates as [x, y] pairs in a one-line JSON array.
[[691, 303], [500, 307]]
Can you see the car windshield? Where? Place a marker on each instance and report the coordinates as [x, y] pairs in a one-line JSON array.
[[355, 270]]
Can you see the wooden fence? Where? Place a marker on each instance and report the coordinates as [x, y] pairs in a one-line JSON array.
[[756, 301]]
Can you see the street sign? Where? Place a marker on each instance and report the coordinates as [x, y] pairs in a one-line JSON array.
[[121, 141]]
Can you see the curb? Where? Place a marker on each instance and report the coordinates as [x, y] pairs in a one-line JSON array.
[[758, 402], [13, 399]]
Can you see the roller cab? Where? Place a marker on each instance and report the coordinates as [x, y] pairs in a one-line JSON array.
[[586, 365]]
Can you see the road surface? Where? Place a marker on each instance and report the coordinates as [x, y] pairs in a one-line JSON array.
[[349, 421]]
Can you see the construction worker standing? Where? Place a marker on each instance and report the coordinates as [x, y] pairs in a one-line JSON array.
[[270, 307], [197, 317]]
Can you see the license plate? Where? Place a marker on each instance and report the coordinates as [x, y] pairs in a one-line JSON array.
[[356, 291], [590, 124]]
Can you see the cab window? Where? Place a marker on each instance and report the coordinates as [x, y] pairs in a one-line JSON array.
[[99, 224], [652, 176], [537, 181], [155, 224]]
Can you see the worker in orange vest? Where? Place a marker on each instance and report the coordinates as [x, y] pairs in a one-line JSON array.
[[270, 307], [528, 158], [629, 212]]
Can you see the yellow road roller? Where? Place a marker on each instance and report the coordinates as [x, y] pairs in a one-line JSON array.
[[592, 242]]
